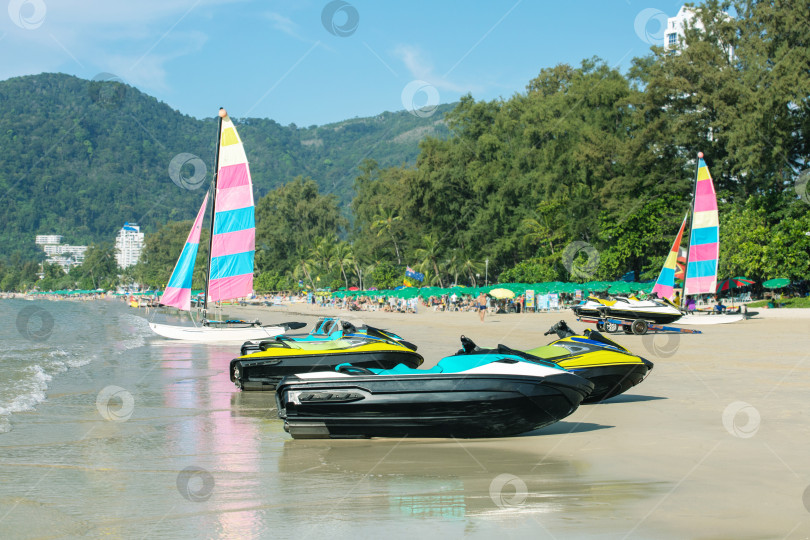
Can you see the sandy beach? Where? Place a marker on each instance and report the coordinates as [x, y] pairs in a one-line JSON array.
[[156, 442]]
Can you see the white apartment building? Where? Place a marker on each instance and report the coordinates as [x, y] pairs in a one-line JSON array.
[[47, 239], [675, 32], [128, 245], [64, 255]]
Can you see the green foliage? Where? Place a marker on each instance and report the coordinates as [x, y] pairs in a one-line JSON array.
[[760, 247], [268, 282], [632, 239], [530, 271], [291, 218], [102, 150], [387, 276], [99, 269]]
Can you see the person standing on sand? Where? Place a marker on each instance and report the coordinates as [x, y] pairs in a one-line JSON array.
[[481, 302]]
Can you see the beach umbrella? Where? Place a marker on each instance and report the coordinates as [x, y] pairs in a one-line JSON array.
[[354, 288], [598, 286], [734, 283], [776, 283], [501, 293], [621, 287]]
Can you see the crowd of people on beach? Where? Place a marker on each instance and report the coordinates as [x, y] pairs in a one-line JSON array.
[[481, 304]]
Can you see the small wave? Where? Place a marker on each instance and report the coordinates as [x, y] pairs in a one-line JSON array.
[[31, 392], [82, 333], [60, 360], [135, 331]]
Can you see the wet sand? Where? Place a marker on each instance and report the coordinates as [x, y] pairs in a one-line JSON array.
[[712, 445]]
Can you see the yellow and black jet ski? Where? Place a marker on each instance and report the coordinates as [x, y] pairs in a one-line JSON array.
[[262, 370], [612, 368]]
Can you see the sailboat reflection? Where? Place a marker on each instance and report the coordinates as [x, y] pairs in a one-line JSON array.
[[227, 446]]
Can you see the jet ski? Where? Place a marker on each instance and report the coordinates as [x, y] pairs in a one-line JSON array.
[[629, 308], [610, 367], [263, 369], [464, 396], [330, 329]]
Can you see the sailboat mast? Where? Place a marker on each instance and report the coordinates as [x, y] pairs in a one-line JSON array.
[[691, 226], [222, 114]]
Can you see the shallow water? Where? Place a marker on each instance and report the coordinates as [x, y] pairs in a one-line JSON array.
[[142, 437], [44, 339]]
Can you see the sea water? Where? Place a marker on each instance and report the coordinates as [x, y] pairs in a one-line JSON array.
[[41, 340]]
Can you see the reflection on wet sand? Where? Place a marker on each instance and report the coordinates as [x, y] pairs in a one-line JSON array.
[[448, 478]]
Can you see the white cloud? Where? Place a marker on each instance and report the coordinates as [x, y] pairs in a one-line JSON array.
[[284, 24], [421, 68], [134, 40]]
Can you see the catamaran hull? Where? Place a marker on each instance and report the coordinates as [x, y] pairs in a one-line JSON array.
[[207, 334], [710, 319], [266, 373], [462, 405]]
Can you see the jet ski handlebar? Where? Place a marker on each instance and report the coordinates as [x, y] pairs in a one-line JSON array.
[[561, 329]]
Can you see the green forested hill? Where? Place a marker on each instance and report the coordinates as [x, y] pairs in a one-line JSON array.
[[79, 158]]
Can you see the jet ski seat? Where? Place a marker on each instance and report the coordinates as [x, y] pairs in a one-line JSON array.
[[451, 364]]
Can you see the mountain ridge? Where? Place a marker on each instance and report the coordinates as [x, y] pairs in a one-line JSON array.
[[82, 157]]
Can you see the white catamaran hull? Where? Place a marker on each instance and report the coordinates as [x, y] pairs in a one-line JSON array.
[[207, 334], [697, 320]]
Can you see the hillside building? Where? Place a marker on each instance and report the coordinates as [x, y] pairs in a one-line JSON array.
[[64, 255], [128, 245], [48, 239]]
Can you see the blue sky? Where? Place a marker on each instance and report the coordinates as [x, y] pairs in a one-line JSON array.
[[315, 61]]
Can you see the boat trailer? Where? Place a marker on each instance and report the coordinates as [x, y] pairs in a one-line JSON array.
[[632, 326]]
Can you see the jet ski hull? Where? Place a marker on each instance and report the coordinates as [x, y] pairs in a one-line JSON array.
[[612, 368], [462, 405], [263, 372], [611, 380]]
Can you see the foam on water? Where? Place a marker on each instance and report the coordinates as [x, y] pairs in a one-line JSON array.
[[81, 332]]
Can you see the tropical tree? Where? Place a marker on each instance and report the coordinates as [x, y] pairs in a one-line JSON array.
[[322, 254], [385, 223], [343, 257], [304, 265], [471, 268], [429, 255]]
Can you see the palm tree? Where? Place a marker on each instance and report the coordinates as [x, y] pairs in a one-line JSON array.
[[429, 255], [453, 266], [323, 253], [385, 223], [540, 227], [343, 256], [304, 265], [471, 268]]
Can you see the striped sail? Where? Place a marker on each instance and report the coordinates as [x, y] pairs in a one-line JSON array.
[[704, 243], [665, 285], [178, 290], [234, 231]]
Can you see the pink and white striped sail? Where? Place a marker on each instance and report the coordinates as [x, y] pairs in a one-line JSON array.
[[234, 231], [704, 243], [178, 290]]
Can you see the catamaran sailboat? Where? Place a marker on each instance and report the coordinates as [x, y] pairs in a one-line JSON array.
[[231, 251], [703, 252]]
